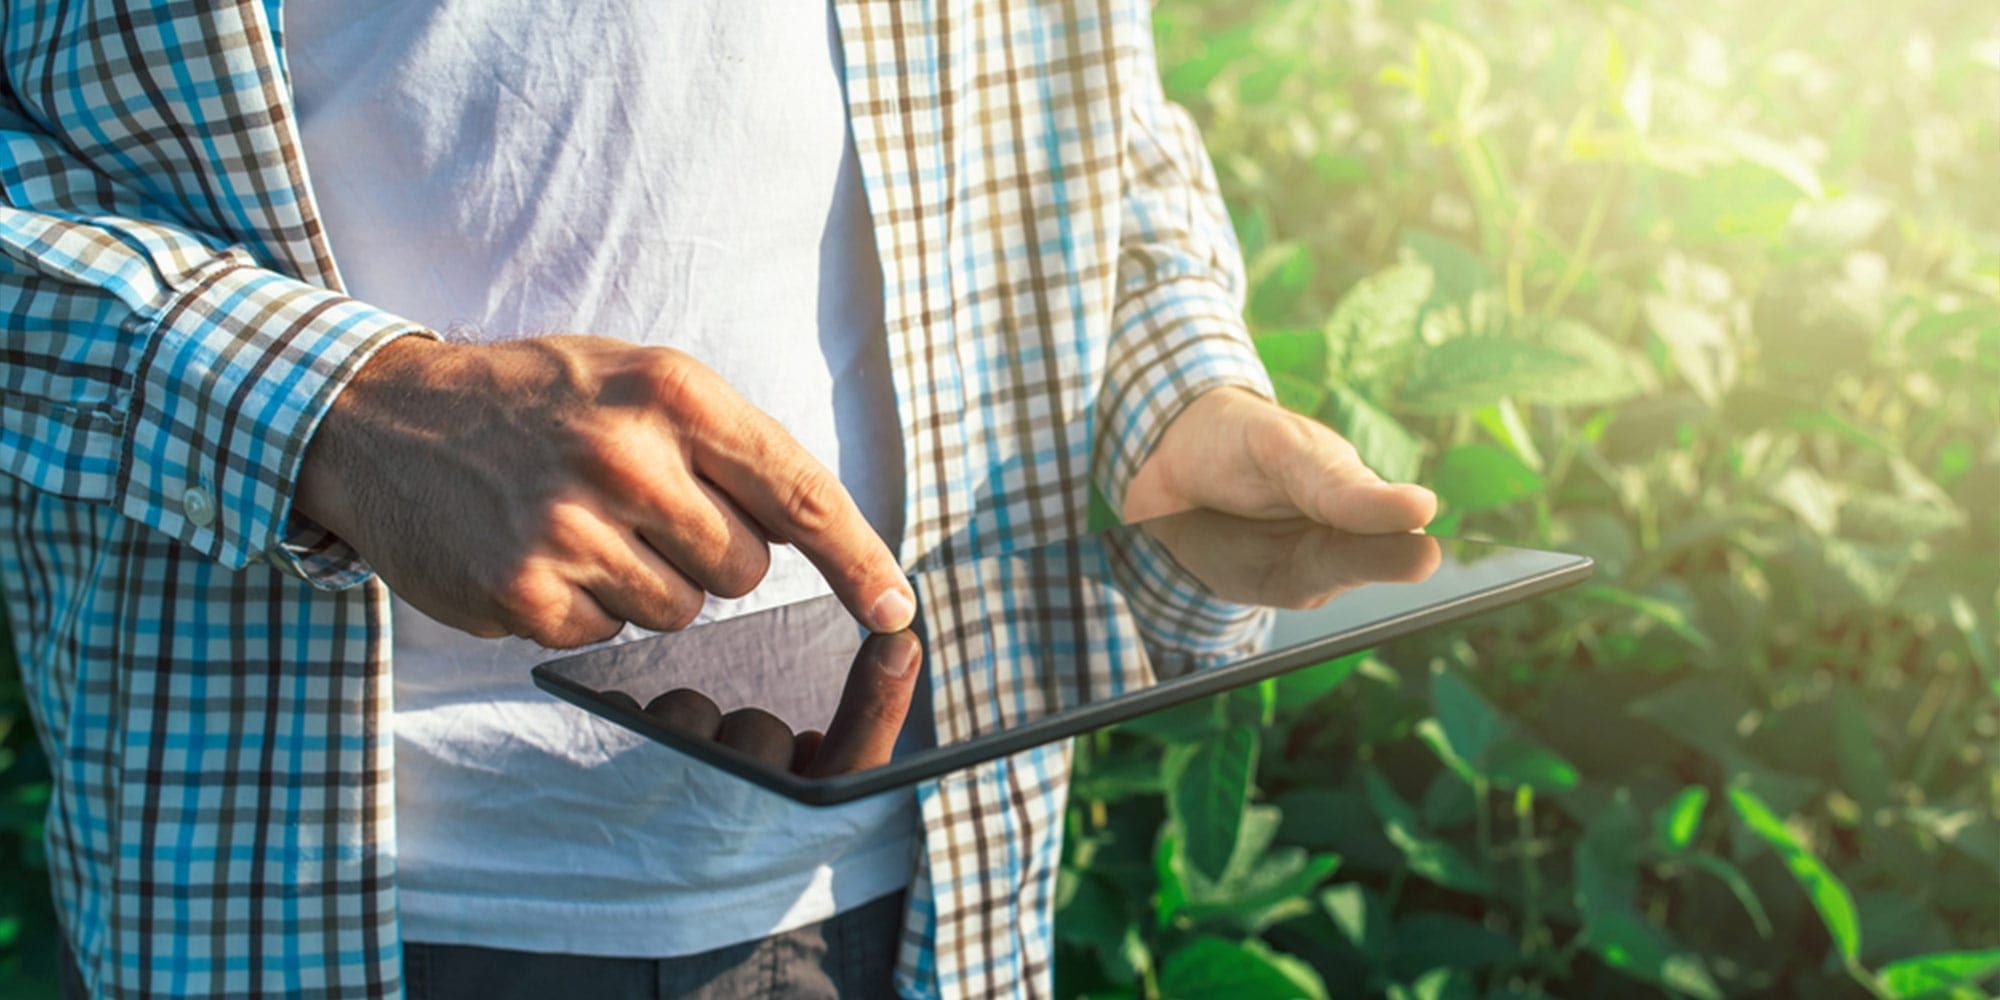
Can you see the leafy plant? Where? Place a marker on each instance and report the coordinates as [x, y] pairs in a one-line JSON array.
[[1712, 294]]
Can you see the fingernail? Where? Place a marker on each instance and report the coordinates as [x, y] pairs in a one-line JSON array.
[[897, 662], [892, 611]]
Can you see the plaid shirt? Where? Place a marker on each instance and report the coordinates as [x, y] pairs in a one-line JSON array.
[[210, 672]]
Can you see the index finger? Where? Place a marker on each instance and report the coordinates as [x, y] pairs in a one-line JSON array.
[[872, 707], [797, 500]]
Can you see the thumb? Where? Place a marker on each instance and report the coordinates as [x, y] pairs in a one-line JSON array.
[[1326, 480]]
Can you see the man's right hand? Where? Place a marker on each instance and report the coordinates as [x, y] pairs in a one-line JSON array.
[[558, 487]]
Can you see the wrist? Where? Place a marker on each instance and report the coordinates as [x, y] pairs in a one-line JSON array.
[[334, 453], [1157, 488]]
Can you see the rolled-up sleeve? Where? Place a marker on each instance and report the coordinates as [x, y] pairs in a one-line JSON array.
[[1177, 325], [167, 375]]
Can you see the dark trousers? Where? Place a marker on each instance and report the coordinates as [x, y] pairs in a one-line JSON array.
[[851, 955]]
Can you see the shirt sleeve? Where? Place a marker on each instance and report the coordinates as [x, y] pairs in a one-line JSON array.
[[1186, 626], [162, 371], [1177, 324]]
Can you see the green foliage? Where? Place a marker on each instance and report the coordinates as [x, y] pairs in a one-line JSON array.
[[1829, 895], [1208, 795], [1708, 291], [1711, 294], [27, 924]]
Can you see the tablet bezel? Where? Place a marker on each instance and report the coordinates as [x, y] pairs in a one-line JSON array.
[[942, 761]]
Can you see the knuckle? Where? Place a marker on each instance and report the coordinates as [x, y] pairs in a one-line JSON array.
[[679, 610], [674, 377], [608, 454], [536, 605], [599, 631], [811, 501], [576, 629], [741, 569], [521, 596], [559, 520]]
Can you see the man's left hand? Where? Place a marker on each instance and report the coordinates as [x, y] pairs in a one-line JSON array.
[[1235, 452]]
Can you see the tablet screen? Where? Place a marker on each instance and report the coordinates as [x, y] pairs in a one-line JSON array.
[[1021, 648]]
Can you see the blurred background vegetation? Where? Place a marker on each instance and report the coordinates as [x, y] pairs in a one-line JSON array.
[[1711, 292]]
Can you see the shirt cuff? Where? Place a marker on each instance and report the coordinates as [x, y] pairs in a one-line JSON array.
[[240, 369], [1171, 342]]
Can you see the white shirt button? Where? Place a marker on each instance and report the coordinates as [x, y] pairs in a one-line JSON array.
[[198, 506]]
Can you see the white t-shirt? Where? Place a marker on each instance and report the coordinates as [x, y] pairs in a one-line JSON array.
[[669, 173]]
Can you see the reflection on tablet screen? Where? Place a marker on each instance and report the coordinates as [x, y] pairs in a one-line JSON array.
[[1022, 648]]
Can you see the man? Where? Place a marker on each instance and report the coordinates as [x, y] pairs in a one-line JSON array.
[[1001, 243]]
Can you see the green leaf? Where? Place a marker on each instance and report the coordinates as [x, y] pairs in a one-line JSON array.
[[1118, 777], [1475, 740], [1373, 330], [1432, 735], [1502, 422], [1095, 917], [1448, 803], [1450, 74], [1738, 886], [1297, 394], [1427, 857], [1931, 975], [1810, 497], [1260, 827], [1883, 517], [1604, 865], [1696, 344], [1208, 794], [1300, 688], [1677, 822], [1384, 444], [1182, 724], [1437, 984], [1340, 821], [1259, 887], [1704, 710], [1836, 225], [1253, 705], [1863, 771], [1606, 877], [1515, 761], [1469, 722], [1293, 352], [1170, 871], [1101, 516], [1209, 966], [1605, 373], [1829, 895], [1627, 943], [1865, 572], [1776, 157], [1361, 916], [1279, 888], [1977, 640], [1456, 272], [1466, 373], [1674, 617], [1475, 477], [1279, 278]]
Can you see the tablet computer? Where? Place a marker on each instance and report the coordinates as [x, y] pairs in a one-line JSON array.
[[1015, 649]]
